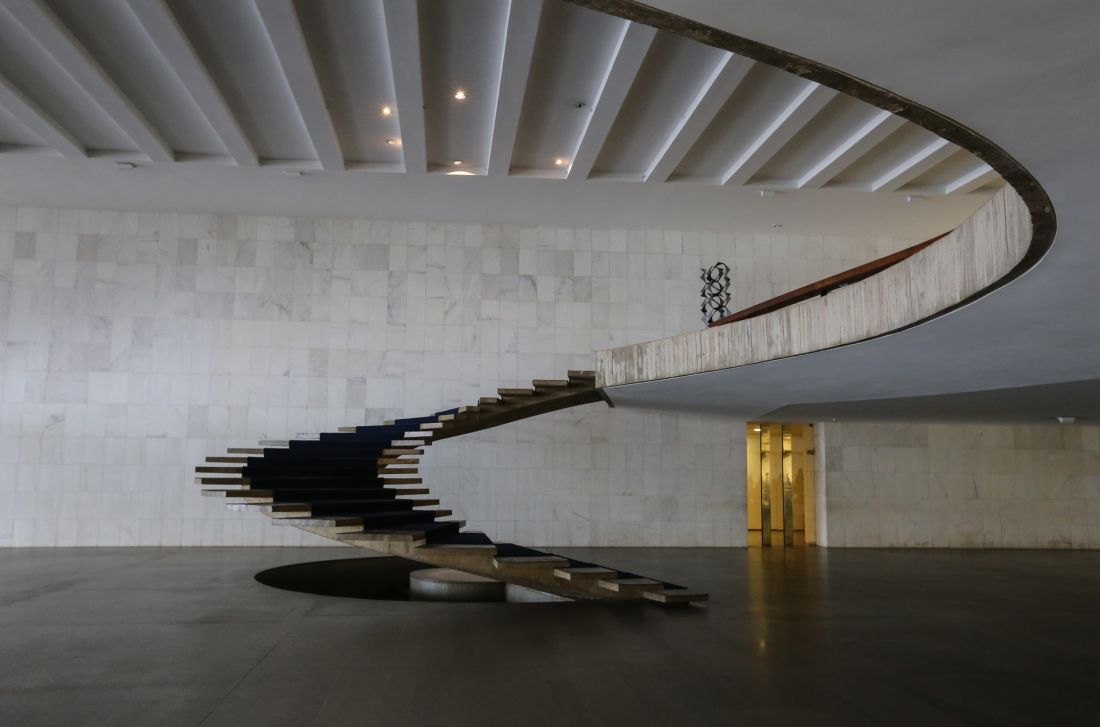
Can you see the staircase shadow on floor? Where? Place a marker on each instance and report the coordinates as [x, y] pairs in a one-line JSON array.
[[382, 579]]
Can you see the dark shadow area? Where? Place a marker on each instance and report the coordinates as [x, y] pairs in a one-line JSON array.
[[382, 579]]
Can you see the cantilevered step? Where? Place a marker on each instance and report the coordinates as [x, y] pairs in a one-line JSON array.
[[585, 574], [516, 392], [631, 586], [404, 533], [675, 595], [365, 520], [223, 481], [325, 508], [463, 541], [512, 557], [551, 384]]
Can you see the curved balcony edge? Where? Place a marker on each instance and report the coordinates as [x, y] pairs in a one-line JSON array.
[[1002, 240], [970, 260]]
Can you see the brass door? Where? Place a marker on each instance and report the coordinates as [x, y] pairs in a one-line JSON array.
[[780, 479]]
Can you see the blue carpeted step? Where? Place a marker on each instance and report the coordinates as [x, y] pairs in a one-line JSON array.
[[387, 518], [322, 508], [432, 531], [348, 454], [511, 550], [305, 494], [320, 468], [336, 445], [464, 539], [271, 481]]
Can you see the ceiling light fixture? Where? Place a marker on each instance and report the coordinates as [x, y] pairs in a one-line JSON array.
[[125, 165], [1065, 420], [461, 173], [387, 110], [392, 142], [457, 162], [460, 94], [757, 429], [559, 162], [913, 198], [767, 193]]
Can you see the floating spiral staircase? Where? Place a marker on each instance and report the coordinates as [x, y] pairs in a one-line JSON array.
[[361, 486]]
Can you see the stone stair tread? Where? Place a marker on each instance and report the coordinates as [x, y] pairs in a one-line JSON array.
[[460, 546], [255, 497], [584, 572], [551, 561], [675, 595], [628, 584], [358, 501]]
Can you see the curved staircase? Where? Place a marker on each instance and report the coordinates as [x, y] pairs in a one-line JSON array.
[[361, 486]]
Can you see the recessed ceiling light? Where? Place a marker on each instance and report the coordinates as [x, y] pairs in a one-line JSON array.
[[461, 173], [912, 198], [387, 110], [460, 94], [767, 193], [125, 165], [559, 162], [757, 429], [457, 162], [392, 142]]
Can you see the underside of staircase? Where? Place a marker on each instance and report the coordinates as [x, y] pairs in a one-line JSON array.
[[361, 486]]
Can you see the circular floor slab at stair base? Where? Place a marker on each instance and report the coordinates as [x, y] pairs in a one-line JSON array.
[[445, 584]]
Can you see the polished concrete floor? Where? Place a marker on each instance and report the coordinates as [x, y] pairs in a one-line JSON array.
[[807, 637]]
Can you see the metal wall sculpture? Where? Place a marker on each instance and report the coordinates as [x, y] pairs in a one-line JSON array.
[[715, 292]]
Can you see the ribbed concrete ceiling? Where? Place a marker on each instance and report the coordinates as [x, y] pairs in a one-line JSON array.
[[552, 90]]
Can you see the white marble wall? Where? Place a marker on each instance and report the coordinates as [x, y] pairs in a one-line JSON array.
[[966, 486], [136, 344]]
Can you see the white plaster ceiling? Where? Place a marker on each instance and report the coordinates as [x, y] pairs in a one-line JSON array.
[[186, 90], [1026, 76]]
